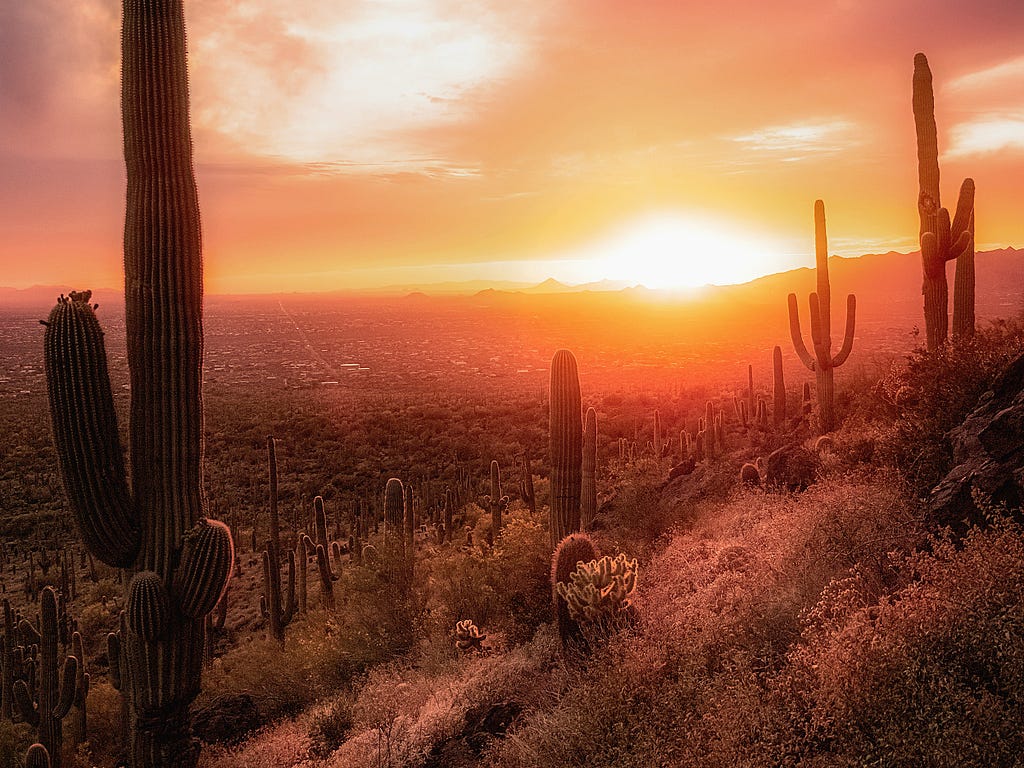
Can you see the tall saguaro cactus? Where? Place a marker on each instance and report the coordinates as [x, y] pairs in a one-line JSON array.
[[566, 434], [779, 385], [942, 240], [157, 528], [822, 362]]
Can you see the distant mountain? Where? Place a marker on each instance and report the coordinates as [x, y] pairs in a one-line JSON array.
[[889, 282], [42, 297]]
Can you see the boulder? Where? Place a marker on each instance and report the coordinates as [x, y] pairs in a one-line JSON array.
[[988, 454]]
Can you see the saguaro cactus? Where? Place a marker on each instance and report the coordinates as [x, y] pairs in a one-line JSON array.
[[779, 382], [276, 606], [145, 528], [822, 361], [55, 692], [588, 487], [394, 511], [566, 433], [941, 240], [495, 501]]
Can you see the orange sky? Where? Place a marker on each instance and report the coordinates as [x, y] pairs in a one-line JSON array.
[[362, 143]]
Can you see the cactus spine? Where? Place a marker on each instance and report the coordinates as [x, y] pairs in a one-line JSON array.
[[941, 240], [588, 488], [779, 382], [822, 362], [144, 528], [566, 435], [55, 692]]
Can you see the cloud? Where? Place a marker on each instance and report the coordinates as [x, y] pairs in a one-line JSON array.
[[349, 84], [986, 135], [831, 136], [1005, 73]]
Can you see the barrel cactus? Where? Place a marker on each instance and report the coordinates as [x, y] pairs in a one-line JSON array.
[[572, 550]]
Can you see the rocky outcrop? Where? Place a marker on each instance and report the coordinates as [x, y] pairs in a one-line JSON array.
[[988, 454]]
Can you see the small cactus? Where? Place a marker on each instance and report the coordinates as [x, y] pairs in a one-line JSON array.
[[600, 591], [749, 475], [468, 636], [572, 550]]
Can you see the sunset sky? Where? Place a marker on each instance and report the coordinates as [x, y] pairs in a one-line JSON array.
[[360, 143]]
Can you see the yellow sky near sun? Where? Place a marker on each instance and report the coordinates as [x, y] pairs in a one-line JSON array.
[[357, 144]]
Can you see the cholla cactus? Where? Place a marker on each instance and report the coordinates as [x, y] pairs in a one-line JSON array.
[[468, 636], [600, 591]]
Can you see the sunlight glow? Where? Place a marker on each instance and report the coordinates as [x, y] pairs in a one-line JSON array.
[[674, 251]]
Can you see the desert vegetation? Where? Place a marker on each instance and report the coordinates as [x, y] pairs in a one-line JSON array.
[[734, 572]]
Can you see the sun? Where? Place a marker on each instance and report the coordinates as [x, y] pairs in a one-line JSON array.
[[676, 250]]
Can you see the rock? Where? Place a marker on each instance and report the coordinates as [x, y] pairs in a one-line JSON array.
[[988, 454], [791, 468], [227, 719], [684, 467]]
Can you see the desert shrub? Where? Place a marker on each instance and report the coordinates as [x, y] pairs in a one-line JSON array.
[[329, 728], [15, 739], [933, 392], [720, 608], [933, 675], [505, 589]]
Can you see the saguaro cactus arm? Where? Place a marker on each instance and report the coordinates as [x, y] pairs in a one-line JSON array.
[[797, 335]]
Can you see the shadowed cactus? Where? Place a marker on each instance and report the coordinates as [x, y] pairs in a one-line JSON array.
[[394, 509], [572, 550], [320, 531], [37, 757], [276, 606], [526, 486], [588, 486], [942, 240], [81, 720], [494, 501], [8, 663], [779, 385], [566, 448], [144, 528], [822, 362], [45, 707]]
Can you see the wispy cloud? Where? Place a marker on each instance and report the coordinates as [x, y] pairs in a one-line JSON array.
[[986, 135], [831, 136], [1005, 73]]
